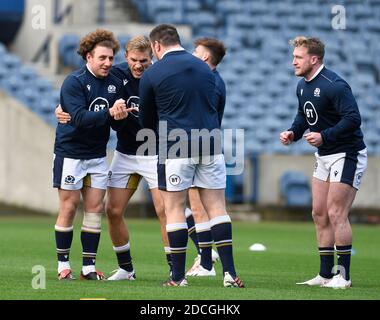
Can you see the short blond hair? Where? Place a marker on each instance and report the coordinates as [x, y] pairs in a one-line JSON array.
[[139, 43], [314, 46]]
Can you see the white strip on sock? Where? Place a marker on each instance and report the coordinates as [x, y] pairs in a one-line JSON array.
[[62, 265], [87, 269]]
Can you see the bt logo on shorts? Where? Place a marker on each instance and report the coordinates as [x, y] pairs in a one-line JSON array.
[[109, 174], [174, 180], [69, 179]]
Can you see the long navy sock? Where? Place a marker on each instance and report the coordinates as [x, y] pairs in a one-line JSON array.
[[177, 234], [326, 255], [205, 244], [344, 260], [221, 229], [63, 240], [124, 259], [191, 228]]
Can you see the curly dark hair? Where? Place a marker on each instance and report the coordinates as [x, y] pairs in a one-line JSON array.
[[99, 37]]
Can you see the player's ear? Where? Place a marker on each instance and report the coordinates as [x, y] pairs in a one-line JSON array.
[[88, 55], [314, 59]]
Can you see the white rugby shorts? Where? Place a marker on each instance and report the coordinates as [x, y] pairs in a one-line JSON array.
[[344, 167], [207, 172], [74, 174], [126, 171]]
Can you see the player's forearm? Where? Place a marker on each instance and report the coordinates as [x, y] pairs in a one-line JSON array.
[[88, 119], [344, 127]]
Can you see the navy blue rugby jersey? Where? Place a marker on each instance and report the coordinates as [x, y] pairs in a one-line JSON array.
[[220, 88], [180, 90], [128, 128], [326, 105], [87, 99]]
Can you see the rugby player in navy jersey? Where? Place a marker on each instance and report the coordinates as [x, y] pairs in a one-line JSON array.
[[127, 167], [211, 51], [92, 98], [327, 107], [178, 93]]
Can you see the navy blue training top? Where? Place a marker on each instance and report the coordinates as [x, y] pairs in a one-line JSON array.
[[178, 89], [128, 128], [220, 88], [327, 105], [87, 99]]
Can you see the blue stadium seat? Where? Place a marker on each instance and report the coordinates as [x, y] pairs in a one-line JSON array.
[[11, 61], [67, 46], [27, 73], [11, 84], [123, 40], [43, 85], [295, 189], [119, 57]]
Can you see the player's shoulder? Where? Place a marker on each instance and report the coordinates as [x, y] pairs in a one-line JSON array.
[[120, 70], [114, 79], [334, 80], [218, 79], [330, 76], [75, 78]]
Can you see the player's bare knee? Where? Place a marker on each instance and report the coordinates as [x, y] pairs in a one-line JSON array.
[[67, 209], [94, 207], [113, 213], [336, 216]]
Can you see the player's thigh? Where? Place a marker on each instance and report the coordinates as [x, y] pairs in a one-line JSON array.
[[123, 172], [68, 174], [146, 166], [176, 174], [210, 173], [68, 202], [93, 199], [213, 201], [174, 202], [198, 211], [320, 190], [340, 199], [349, 168], [117, 200]]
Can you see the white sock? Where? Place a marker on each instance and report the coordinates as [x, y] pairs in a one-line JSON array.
[[87, 269], [62, 265]]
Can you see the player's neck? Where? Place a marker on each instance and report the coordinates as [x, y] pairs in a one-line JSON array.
[[314, 72]]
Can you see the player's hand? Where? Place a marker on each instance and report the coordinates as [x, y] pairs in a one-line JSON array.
[[119, 110], [62, 117], [314, 138], [286, 137]]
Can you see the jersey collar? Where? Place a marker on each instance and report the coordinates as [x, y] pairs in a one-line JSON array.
[[316, 73], [172, 50]]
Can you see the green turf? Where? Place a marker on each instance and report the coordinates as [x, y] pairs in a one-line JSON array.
[[291, 257]]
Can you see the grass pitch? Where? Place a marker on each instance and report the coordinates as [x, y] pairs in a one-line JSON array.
[[291, 256]]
